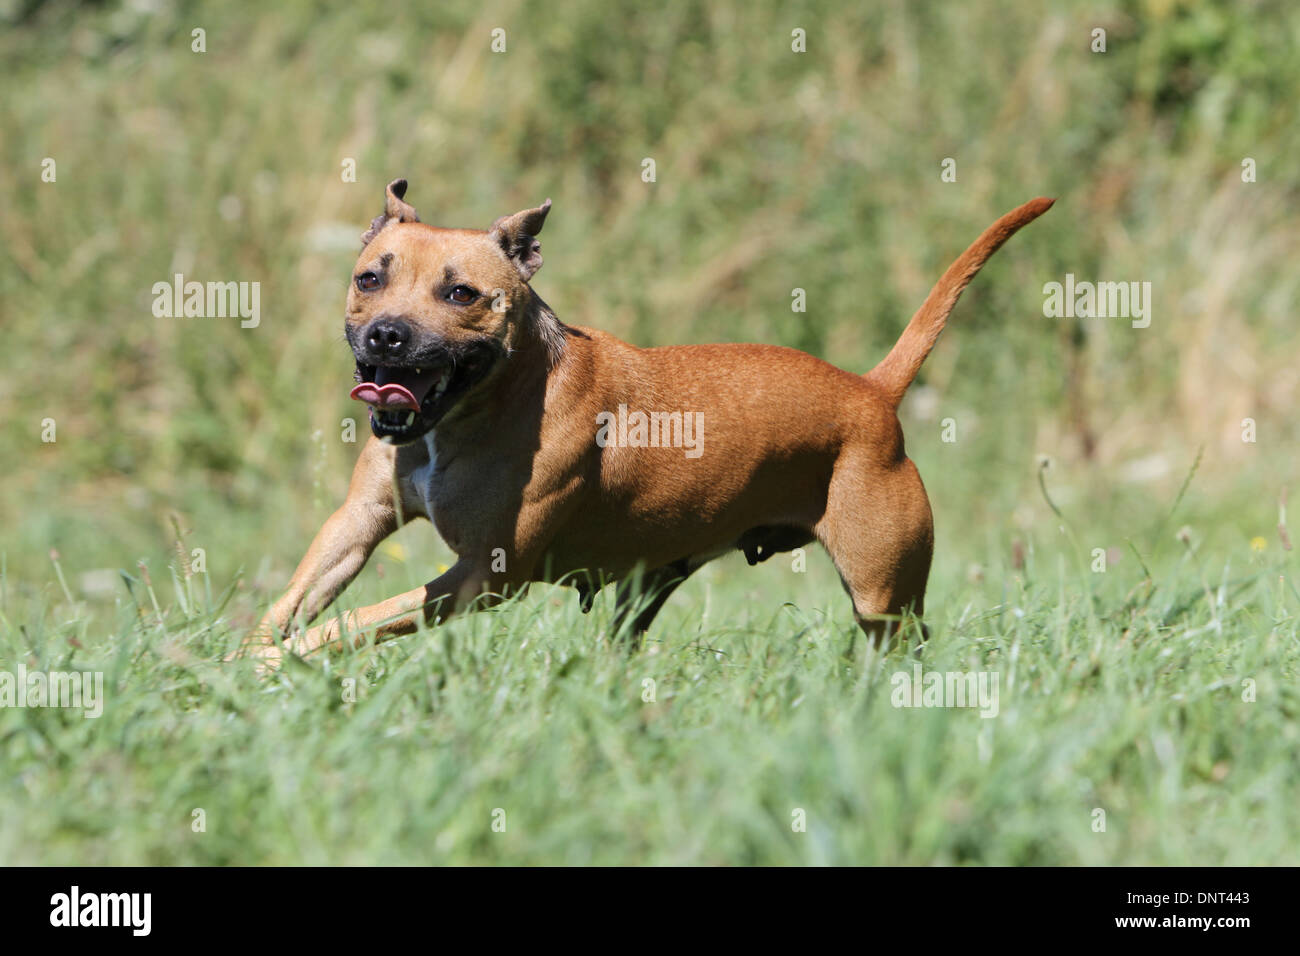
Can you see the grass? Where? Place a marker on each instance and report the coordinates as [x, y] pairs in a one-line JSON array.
[[195, 458], [1118, 692]]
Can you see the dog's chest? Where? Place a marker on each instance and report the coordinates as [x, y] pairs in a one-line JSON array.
[[422, 480]]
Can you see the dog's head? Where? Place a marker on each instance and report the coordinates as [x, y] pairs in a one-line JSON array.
[[432, 312]]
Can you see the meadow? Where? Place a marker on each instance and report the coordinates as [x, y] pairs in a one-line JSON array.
[[1109, 500]]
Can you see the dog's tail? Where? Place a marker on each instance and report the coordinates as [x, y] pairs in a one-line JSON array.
[[896, 371]]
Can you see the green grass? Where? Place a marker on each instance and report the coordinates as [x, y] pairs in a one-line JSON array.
[[1117, 692], [1120, 691]]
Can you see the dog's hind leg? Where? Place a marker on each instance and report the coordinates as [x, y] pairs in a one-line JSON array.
[[879, 532], [639, 597]]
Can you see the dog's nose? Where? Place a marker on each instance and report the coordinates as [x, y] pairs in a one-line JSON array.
[[388, 337]]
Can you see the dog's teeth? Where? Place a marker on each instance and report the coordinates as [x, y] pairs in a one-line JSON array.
[[419, 371], [410, 419]]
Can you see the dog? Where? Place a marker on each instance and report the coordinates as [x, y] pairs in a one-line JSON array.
[[494, 419]]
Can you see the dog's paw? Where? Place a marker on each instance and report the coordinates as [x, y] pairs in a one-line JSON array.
[[267, 658], [323, 635], [260, 645]]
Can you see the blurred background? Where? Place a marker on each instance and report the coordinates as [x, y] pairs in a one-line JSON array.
[[774, 171]]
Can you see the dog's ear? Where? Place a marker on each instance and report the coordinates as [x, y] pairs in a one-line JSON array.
[[395, 210], [517, 236]]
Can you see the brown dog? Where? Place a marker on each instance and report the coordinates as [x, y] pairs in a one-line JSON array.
[[544, 452]]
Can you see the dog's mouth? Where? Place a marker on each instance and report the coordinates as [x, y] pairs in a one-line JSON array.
[[406, 402]]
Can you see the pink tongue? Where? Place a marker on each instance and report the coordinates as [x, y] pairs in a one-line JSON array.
[[395, 388], [385, 396]]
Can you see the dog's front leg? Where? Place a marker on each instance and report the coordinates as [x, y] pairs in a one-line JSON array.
[[462, 585], [474, 581], [337, 553]]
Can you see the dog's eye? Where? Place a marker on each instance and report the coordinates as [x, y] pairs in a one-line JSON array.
[[462, 294], [368, 282]]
